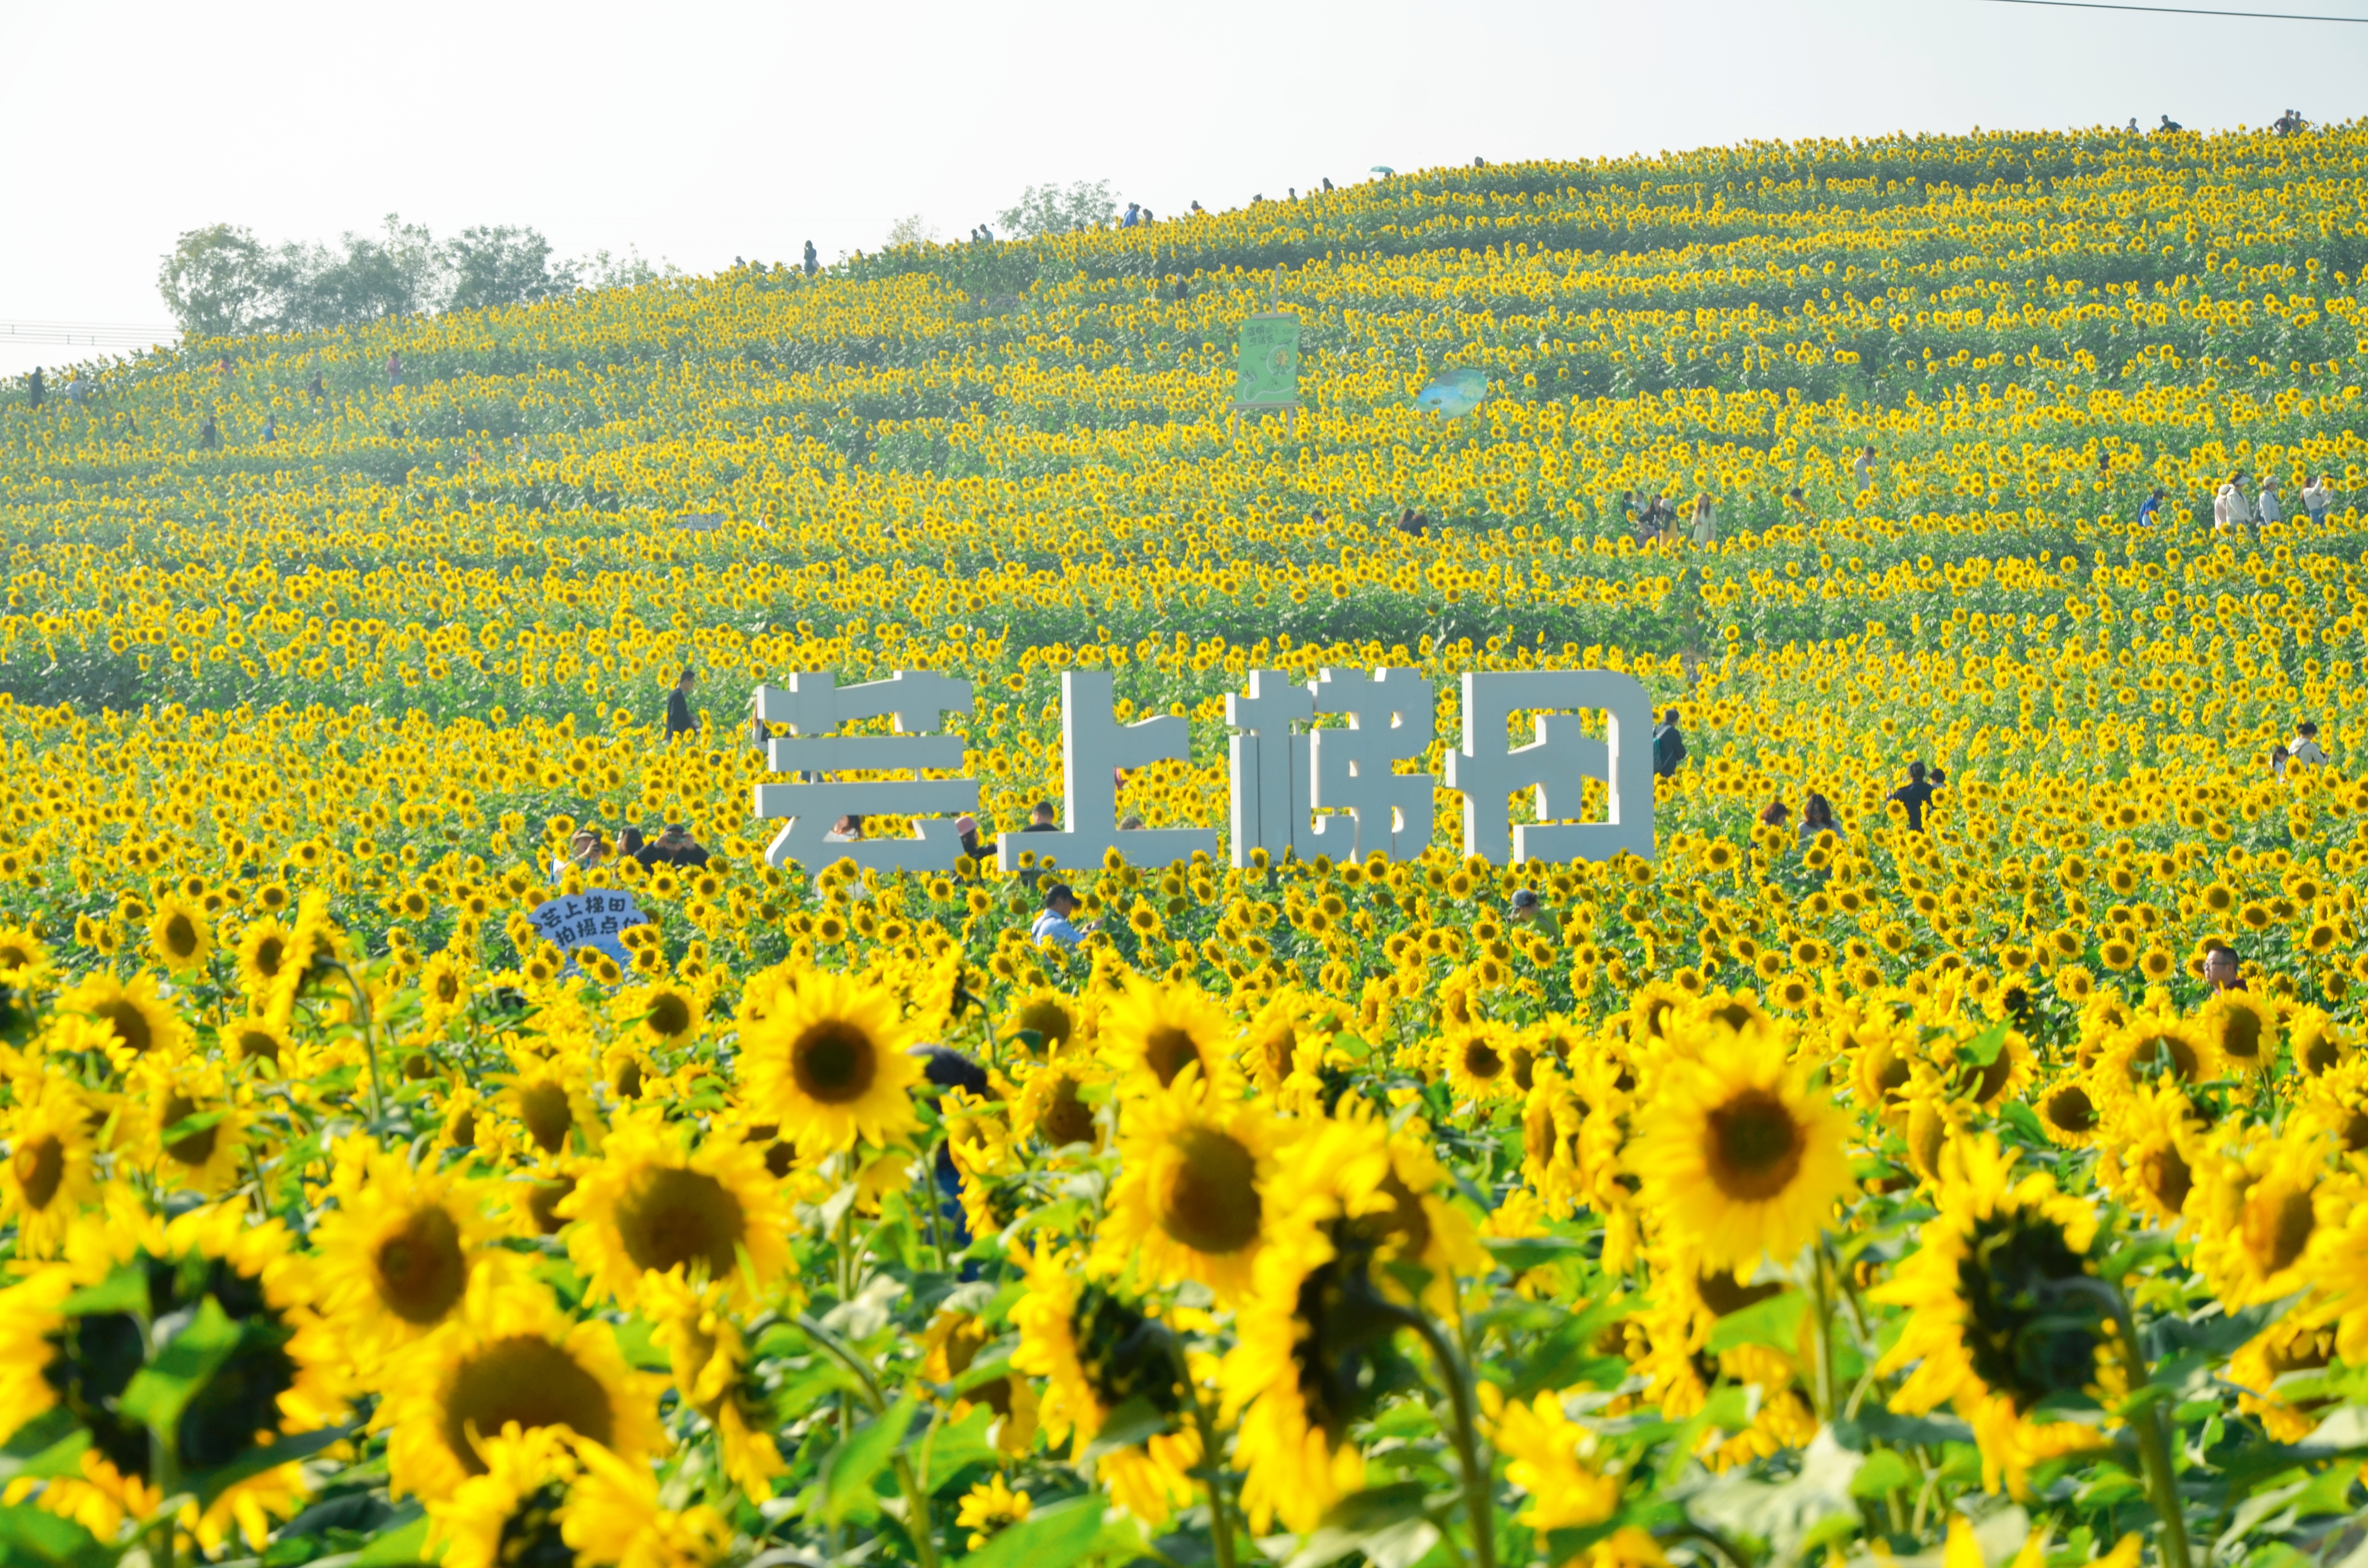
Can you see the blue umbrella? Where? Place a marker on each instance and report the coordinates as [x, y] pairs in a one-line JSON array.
[[1381, 169], [1451, 394]]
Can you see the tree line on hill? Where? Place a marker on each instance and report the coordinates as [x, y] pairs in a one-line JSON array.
[[222, 281]]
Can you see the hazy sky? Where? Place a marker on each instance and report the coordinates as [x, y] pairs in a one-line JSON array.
[[699, 132]]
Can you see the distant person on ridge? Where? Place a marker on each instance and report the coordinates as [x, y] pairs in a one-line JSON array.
[[813, 262], [679, 719], [1668, 746], [33, 389], [1914, 796]]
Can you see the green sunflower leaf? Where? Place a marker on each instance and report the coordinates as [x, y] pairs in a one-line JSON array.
[[1055, 1538], [848, 1472]]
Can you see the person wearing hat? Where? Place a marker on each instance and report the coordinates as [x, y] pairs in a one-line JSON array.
[[1526, 909], [1056, 922]]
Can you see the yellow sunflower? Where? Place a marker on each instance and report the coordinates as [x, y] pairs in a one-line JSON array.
[[508, 1514], [829, 1067], [545, 1094], [1096, 1351], [262, 956], [710, 1361], [178, 936], [950, 1345], [2267, 1215], [2068, 1113], [665, 1015], [613, 1514], [2152, 1151], [1737, 1153], [277, 1381], [2149, 1050], [1045, 1022], [48, 1179], [1053, 1104], [396, 1253], [138, 1022], [1188, 1202], [1478, 1062], [1992, 1327], [1313, 1349], [510, 1357], [188, 1126], [653, 1205], [24, 958], [2243, 1030], [1150, 1035]]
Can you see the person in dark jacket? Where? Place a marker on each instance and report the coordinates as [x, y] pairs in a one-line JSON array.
[[1914, 796], [33, 389], [679, 721], [1668, 746]]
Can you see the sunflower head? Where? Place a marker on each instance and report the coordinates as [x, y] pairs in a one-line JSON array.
[[1155, 1031], [828, 1065], [1741, 1156]]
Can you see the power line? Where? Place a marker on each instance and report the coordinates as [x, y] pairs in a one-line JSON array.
[[87, 334], [2184, 11]]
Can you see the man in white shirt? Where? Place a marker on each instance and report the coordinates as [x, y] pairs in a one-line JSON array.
[[2305, 748], [1054, 922], [1864, 471], [2271, 511]]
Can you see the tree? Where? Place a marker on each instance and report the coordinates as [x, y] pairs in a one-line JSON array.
[[216, 282], [503, 265], [1048, 209], [913, 231], [399, 273], [603, 269]]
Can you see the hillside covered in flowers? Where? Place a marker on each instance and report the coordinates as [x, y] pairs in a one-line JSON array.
[[1968, 1180]]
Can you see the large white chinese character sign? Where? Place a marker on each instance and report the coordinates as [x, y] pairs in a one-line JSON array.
[[1557, 765], [1298, 786], [815, 705], [1268, 766], [1392, 714], [1093, 746]]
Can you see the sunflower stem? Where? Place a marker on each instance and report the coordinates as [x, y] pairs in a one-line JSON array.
[[1821, 1297], [2154, 1443], [917, 1523], [369, 1051], [1478, 1504], [1221, 1522]]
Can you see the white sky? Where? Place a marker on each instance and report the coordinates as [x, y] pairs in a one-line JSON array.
[[701, 130]]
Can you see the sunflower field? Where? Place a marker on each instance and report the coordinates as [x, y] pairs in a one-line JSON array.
[[1904, 1189]]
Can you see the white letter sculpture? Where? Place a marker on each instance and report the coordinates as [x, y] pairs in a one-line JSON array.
[[1487, 769], [1268, 766], [1093, 746], [814, 704], [1390, 718]]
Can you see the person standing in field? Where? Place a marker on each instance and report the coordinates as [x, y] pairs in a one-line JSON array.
[[1705, 529], [393, 370], [2317, 498], [1862, 471], [33, 389], [2305, 748], [2149, 508], [2270, 511], [679, 719]]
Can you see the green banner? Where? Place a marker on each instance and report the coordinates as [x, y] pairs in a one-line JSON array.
[[1268, 373]]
